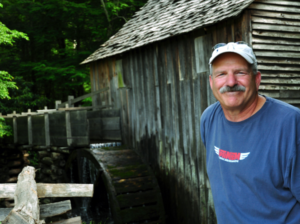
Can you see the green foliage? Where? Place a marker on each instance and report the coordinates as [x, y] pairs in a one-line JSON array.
[[5, 84], [5, 130], [8, 36], [60, 35], [33, 158]]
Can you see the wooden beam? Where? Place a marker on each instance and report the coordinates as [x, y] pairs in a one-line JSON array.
[[277, 54], [257, 40], [76, 220], [275, 21], [80, 98], [85, 108], [275, 8], [276, 2], [275, 47], [277, 68], [277, 87], [277, 61], [258, 26], [275, 14], [47, 210], [276, 34], [52, 190]]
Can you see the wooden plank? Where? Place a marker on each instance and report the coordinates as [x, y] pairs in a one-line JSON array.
[[277, 54], [38, 130], [139, 213], [275, 15], [76, 220], [289, 94], [276, 34], [78, 99], [281, 81], [13, 218], [274, 47], [258, 26], [291, 101], [274, 94], [22, 130], [276, 87], [277, 68], [281, 74], [256, 19], [128, 172], [137, 198], [47, 210], [4, 212], [52, 190], [274, 41], [133, 184], [269, 7], [277, 61], [246, 27], [132, 115], [276, 2], [53, 209], [86, 108]]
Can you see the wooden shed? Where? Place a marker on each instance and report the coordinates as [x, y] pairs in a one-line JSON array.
[[156, 69]]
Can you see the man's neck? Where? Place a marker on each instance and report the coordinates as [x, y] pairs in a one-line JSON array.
[[238, 115]]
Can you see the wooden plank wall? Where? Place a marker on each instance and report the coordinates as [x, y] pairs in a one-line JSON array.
[[276, 42], [167, 90]]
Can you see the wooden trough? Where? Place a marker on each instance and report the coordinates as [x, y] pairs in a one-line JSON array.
[[74, 127], [134, 195]]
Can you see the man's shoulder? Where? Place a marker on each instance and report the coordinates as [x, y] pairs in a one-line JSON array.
[[283, 108], [210, 111]]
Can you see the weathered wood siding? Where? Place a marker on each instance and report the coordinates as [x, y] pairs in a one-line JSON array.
[[276, 42], [162, 90]]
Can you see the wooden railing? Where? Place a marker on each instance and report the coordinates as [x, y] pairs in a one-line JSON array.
[[26, 193], [63, 127]]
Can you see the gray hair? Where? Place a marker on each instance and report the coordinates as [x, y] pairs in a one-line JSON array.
[[253, 68]]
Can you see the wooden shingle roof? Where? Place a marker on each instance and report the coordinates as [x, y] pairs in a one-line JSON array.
[[160, 19]]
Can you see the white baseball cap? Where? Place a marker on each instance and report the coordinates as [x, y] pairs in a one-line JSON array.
[[240, 48]]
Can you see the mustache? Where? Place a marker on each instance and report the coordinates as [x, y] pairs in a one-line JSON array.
[[235, 88]]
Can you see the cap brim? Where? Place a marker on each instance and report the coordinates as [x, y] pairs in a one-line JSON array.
[[245, 56]]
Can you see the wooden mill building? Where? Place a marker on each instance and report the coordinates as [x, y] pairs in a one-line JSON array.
[[156, 69]]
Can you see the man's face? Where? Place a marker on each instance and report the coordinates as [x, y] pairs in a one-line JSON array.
[[232, 70]]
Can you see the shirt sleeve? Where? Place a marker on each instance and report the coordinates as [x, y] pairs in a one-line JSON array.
[[295, 173], [202, 129]]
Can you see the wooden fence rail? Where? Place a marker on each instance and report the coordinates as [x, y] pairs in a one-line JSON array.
[[26, 193], [69, 126]]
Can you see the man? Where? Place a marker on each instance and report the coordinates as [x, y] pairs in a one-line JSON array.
[[252, 143]]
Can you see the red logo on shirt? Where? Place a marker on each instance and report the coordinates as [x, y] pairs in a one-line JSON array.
[[232, 157]]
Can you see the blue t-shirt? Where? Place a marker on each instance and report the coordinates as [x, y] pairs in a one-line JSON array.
[[254, 165]]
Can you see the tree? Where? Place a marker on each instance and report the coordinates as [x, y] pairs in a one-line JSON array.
[[7, 37], [62, 34]]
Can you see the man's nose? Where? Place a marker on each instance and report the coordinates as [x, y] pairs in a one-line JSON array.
[[231, 80]]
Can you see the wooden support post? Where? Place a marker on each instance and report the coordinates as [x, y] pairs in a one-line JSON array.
[[47, 127], [29, 122], [26, 208], [57, 102], [68, 127], [15, 127], [70, 101]]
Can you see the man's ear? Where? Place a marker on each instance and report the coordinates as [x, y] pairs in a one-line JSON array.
[[257, 79], [210, 81]]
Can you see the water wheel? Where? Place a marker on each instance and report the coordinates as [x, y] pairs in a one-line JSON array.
[[134, 195]]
